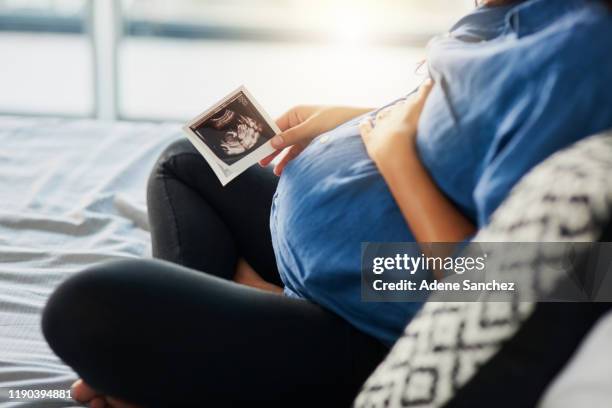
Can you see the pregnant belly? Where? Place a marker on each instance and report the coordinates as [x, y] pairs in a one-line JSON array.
[[329, 200]]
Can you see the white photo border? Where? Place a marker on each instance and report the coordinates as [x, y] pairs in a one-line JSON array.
[[226, 173]]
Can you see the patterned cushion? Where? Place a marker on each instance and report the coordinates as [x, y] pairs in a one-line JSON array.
[[456, 354]]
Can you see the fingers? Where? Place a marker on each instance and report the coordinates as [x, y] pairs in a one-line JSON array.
[[392, 109], [296, 134], [284, 122], [418, 103], [384, 112], [424, 91], [288, 155], [288, 138], [366, 127], [268, 159]]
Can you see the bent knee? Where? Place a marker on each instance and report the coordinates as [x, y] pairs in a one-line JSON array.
[[82, 309], [167, 158], [180, 160], [176, 148]]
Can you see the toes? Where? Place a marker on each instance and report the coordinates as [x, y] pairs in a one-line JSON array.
[[98, 402], [117, 403], [82, 392]]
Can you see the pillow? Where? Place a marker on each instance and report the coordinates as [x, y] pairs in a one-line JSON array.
[[506, 353]]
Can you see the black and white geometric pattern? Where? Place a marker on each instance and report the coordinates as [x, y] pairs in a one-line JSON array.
[[567, 198]]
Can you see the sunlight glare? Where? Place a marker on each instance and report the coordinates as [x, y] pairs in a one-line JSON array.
[[350, 24]]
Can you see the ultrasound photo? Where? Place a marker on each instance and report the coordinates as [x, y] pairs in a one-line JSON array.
[[235, 130], [232, 135]]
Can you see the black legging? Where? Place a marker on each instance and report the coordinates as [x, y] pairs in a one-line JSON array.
[[179, 332]]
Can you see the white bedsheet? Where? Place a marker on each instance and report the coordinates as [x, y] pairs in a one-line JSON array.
[[72, 193]]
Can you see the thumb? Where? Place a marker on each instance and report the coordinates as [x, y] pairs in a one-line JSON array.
[[420, 99], [424, 91], [366, 127], [293, 135]]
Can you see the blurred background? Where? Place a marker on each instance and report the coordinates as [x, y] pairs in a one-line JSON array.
[[168, 60]]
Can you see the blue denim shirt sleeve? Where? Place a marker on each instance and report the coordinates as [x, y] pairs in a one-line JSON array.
[[513, 85], [562, 105]]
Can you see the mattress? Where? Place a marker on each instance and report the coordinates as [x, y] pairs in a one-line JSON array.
[[72, 193]]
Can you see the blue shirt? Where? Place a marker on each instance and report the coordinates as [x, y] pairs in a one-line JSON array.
[[514, 84]]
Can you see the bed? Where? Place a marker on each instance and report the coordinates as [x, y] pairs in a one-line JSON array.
[[72, 193]]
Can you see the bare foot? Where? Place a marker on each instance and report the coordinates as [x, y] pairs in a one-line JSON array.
[[84, 394], [246, 275]]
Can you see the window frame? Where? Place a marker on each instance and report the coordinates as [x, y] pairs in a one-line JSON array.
[[104, 25]]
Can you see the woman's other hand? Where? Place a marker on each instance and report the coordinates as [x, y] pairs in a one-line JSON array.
[[300, 125], [431, 216], [392, 136]]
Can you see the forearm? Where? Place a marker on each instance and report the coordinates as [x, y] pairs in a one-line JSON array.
[[342, 114], [431, 216], [391, 144], [351, 112]]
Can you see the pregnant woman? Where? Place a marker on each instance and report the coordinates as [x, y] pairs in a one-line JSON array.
[[254, 298]]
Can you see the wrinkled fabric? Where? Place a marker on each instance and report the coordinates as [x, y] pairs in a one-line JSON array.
[[514, 84], [72, 194]]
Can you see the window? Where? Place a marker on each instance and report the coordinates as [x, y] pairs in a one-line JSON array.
[[177, 58], [46, 57], [159, 59]]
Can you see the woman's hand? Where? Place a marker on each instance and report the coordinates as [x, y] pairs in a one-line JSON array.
[[392, 137], [431, 216], [302, 124]]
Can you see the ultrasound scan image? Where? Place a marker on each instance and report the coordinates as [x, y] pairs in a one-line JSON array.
[[234, 131]]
